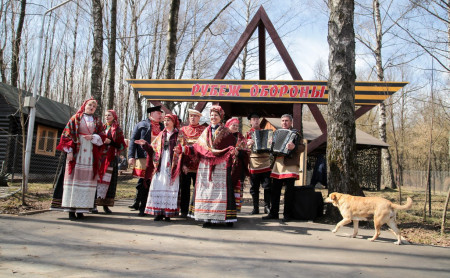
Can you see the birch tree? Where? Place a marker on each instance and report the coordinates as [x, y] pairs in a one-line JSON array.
[[97, 53], [112, 55], [171, 53], [16, 45], [341, 147]]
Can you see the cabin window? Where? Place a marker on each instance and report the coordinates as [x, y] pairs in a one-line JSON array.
[[46, 140]]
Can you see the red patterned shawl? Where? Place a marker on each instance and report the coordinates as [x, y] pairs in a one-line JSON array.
[[241, 161], [109, 152], [70, 137], [191, 134], [218, 151], [158, 147]]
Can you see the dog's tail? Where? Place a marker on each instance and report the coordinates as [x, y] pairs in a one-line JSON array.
[[405, 206]]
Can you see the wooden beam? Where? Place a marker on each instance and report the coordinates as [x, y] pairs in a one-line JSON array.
[[262, 51], [234, 54], [362, 110], [297, 115], [163, 107], [314, 144], [318, 117], [279, 45]]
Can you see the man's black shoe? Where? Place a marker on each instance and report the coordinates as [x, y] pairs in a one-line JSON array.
[[229, 224], [134, 206], [72, 216], [287, 219], [80, 215], [254, 211], [141, 214], [206, 225], [106, 210], [158, 218], [270, 216]]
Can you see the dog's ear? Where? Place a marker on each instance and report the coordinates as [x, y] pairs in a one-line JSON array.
[[333, 196]]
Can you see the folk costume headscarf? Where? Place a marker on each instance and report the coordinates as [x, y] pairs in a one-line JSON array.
[[231, 121], [70, 136], [115, 134], [190, 134], [217, 150], [174, 140]]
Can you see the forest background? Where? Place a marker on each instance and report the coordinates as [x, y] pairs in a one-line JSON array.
[[403, 40]]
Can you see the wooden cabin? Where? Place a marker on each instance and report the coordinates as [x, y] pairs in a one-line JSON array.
[[51, 118]]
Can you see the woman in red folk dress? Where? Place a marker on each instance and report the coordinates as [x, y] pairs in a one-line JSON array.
[[163, 197], [239, 169], [81, 140], [112, 145], [213, 200]]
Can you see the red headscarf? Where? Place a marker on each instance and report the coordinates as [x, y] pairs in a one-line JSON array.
[[174, 119], [114, 123], [218, 109], [232, 121], [118, 138], [83, 106]]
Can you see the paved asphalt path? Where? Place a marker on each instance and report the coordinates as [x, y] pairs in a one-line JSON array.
[[122, 244]]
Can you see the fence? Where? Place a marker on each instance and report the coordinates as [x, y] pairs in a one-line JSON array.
[[417, 180]]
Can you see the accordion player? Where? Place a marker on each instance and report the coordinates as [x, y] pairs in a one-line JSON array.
[[282, 137]]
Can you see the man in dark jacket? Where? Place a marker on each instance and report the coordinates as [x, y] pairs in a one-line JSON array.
[[285, 171], [147, 129]]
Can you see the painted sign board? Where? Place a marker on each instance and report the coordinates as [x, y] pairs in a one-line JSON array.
[[257, 91]]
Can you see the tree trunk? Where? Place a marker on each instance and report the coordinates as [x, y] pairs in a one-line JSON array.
[[387, 172], [97, 52], [444, 213], [171, 55], [122, 114], [112, 55], [71, 89], [134, 19], [341, 146], [16, 46], [154, 44], [49, 65], [430, 154], [3, 9]]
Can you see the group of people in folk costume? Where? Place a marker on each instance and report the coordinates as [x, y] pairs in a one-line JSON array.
[[167, 159], [90, 175]]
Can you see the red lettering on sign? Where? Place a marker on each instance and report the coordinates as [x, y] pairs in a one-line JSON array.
[[264, 90], [253, 90], [195, 89], [274, 91], [222, 90], [293, 91], [304, 90], [234, 90], [205, 89], [283, 90], [213, 91], [316, 93]]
